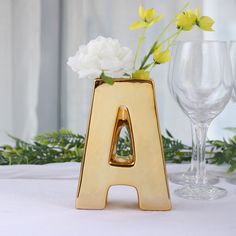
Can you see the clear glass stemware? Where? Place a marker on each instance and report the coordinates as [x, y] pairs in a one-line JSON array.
[[232, 49], [200, 80]]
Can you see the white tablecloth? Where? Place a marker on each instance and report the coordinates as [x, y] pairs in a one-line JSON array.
[[39, 201]]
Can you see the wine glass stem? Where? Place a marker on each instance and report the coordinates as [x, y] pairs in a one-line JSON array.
[[198, 157], [193, 166]]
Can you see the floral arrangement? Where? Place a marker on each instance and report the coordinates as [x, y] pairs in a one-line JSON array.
[[106, 59]]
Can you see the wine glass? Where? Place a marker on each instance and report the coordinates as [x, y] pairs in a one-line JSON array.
[[188, 176], [200, 80], [232, 50]]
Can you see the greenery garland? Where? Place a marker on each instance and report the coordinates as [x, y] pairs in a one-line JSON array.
[[65, 146]]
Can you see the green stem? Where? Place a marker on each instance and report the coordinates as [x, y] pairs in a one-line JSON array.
[[155, 43], [149, 65], [147, 56], [140, 42], [159, 37], [165, 29], [170, 37], [153, 65], [174, 39]]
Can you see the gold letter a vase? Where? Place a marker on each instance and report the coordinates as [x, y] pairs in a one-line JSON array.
[[129, 103]]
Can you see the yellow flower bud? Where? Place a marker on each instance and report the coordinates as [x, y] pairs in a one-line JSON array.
[[141, 74], [205, 23], [186, 20], [161, 57]]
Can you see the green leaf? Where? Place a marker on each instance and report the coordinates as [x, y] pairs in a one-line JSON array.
[[232, 168], [169, 134], [107, 79]]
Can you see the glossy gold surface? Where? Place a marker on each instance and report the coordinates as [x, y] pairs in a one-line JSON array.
[[130, 103]]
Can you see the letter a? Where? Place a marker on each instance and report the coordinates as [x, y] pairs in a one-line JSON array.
[[131, 104]]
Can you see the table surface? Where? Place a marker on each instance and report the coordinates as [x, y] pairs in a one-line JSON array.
[[39, 200]]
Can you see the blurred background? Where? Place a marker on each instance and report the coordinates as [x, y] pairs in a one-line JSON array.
[[39, 93]]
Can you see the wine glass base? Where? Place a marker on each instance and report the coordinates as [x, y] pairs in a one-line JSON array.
[[201, 192], [184, 178]]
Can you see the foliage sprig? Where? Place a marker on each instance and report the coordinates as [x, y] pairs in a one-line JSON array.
[[66, 146], [57, 146]]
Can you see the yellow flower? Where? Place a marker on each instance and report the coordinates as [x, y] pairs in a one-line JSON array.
[[141, 74], [204, 22], [161, 56], [148, 18], [186, 20], [197, 12]]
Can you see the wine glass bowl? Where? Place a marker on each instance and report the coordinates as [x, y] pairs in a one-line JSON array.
[[200, 80], [204, 87]]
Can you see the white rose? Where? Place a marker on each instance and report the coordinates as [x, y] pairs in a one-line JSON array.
[[102, 54]]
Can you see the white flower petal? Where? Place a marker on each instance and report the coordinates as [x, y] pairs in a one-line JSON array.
[[102, 54]]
